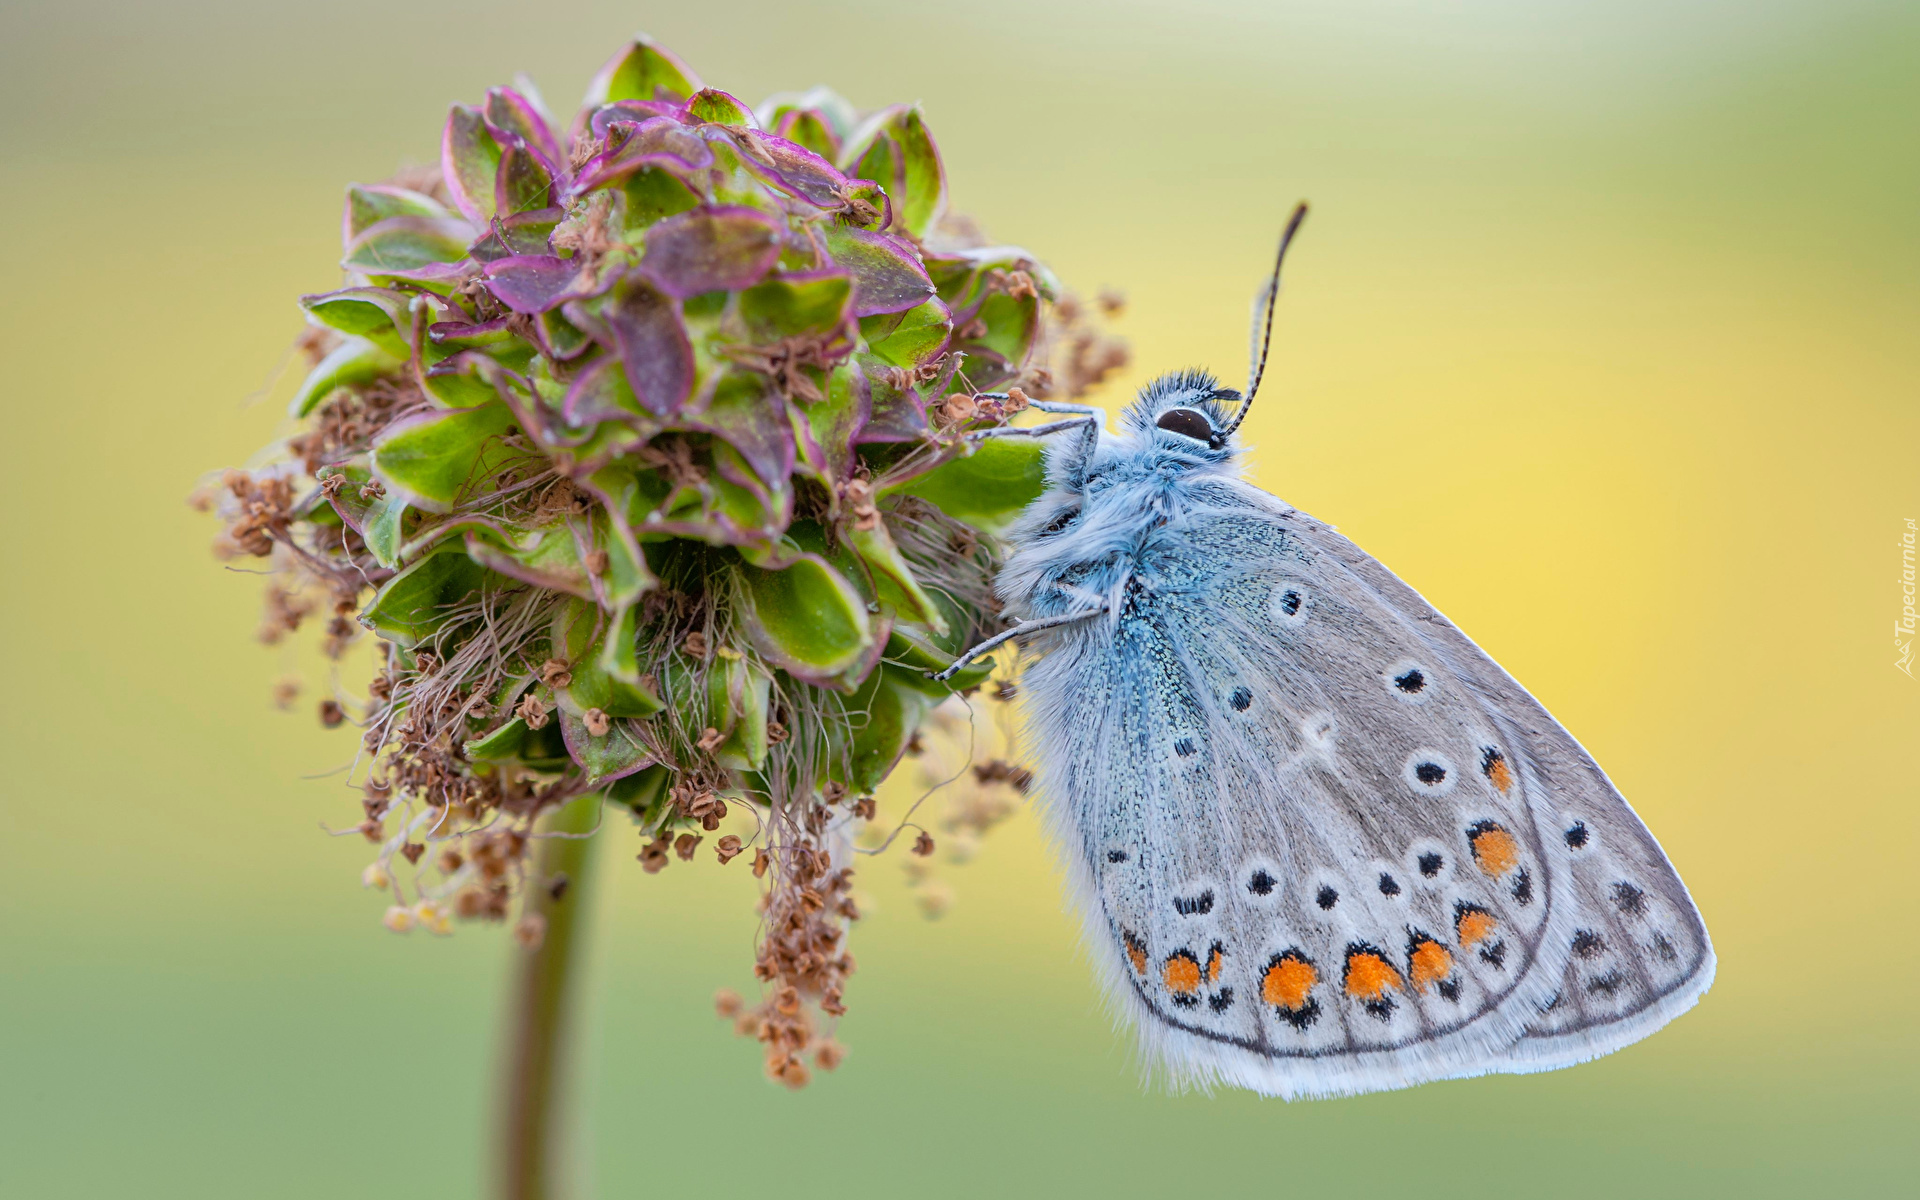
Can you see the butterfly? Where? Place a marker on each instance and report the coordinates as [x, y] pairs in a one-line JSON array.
[[1322, 844]]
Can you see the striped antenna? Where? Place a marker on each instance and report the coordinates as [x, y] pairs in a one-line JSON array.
[[1262, 335]]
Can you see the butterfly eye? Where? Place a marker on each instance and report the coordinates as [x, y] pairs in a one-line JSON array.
[[1187, 422]]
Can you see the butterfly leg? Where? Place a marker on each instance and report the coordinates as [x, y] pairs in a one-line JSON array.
[[999, 639], [1061, 406], [1089, 421], [1046, 406]]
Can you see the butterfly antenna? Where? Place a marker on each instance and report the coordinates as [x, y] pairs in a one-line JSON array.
[[1262, 336]]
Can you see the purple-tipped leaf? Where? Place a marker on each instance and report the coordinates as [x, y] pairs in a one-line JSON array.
[[368, 204], [469, 160], [510, 112], [534, 283], [716, 107], [651, 339], [399, 245], [436, 457], [810, 129], [631, 112], [828, 431], [524, 182], [454, 336], [823, 105], [521, 233], [745, 410], [895, 147], [796, 303], [381, 315], [909, 339], [559, 338], [887, 275], [790, 167], [894, 414], [657, 142], [601, 393], [615, 755], [709, 249], [642, 71]]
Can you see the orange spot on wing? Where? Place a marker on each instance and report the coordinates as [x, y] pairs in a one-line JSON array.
[[1494, 849], [1136, 953], [1498, 772], [1288, 981], [1182, 974], [1214, 960], [1430, 962], [1369, 976], [1474, 926]]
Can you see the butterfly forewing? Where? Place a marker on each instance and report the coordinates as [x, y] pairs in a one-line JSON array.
[[1637, 953]]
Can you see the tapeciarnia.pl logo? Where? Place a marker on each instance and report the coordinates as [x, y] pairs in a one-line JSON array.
[[1903, 628]]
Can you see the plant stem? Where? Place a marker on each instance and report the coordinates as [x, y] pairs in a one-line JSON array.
[[531, 1140]]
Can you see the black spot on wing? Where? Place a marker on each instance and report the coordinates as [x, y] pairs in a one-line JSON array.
[[1260, 883], [1629, 899], [1193, 906], [1606, 985], [1326, 898], [1523, 887]]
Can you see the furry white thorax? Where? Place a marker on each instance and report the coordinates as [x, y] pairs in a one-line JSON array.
[[1108, 501]]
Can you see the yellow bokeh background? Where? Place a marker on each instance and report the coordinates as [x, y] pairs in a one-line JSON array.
[[1602, 335]]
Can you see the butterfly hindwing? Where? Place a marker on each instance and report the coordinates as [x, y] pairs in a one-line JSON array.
[[1325, 840]]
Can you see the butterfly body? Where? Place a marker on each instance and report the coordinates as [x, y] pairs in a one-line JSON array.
[[1322, 844]]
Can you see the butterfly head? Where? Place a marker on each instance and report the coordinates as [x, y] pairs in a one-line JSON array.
[[1187, 412]]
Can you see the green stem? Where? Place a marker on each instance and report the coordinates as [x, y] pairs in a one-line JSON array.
[[531, 1141]]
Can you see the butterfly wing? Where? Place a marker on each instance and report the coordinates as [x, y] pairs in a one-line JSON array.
[[1327, 845], [1640, 954]]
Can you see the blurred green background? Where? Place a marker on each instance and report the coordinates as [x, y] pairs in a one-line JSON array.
[[1602, 335]]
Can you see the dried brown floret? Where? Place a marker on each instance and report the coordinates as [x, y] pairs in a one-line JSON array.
[[533, 711]]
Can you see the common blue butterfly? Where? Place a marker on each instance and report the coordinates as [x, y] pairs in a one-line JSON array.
[[1321, 842]]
